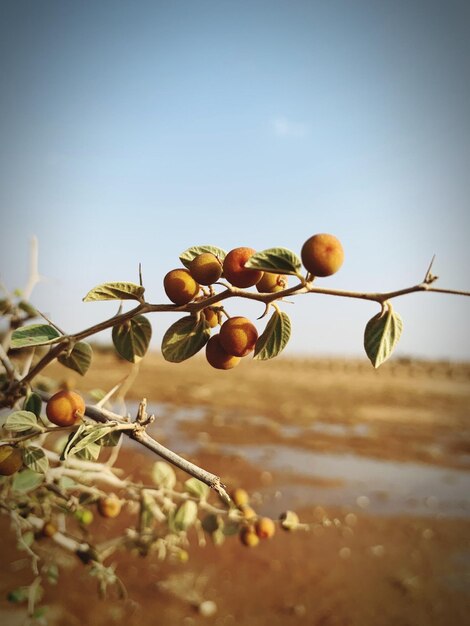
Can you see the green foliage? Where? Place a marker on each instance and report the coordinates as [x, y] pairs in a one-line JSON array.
[[21, 421], [381, 335], [33, 404], [132, 338], [115, 291], [276, 260], [36, 459], [79, 359], [274, 338], [191, 253], [33, 335], [27, 480], [185, 338]]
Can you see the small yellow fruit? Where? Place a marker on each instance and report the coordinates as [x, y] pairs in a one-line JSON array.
[[65, 408], [180, 286], [49, 530], [240, 497], [270, 283], [84, 516], [211, 317], [248, 513], [238, 336], [236, 272], [322, 254], [109, 507], [249, 537], [218, 357], [265, 528], [206, 268], [11, 460]]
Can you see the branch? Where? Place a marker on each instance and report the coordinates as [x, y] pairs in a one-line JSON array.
[[137, 432], [303, 287]]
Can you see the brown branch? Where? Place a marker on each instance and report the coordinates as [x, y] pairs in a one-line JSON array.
[[230, 292], [137, 432]]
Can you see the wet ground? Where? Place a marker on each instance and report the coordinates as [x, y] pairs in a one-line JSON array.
[[377, 462]]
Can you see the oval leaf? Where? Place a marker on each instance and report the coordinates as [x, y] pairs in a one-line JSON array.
[[274, 338], [197, 488], [115, 291], [185, 338], [79, 359], [21, 421], [276, 260], [35, 459], [34, 335], [132, 338], [27, 480], [186, 515], [381, 335], [89, 436], [33, 404], [188, 255], [163, 475]]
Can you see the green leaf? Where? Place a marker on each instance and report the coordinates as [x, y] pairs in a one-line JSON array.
[[276, 260], [274, 338], [19, 595], [52, 574], [110, 440], [35, 459], [188, 255], [28, 308], [33, 404], [115, 291], [163, 475], [33, 335], [185, 338], [21, 421], [90, 435], [132, 338], [27, 480], [186, 515], [90, 453], [381, 335], [197, 488], [79, 359], [73, 438]]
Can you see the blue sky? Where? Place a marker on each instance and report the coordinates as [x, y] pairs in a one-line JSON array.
[[132, 130]]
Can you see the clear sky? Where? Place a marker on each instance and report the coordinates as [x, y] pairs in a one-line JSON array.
[[131, 130]]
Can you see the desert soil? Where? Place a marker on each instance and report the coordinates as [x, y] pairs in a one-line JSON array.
[[375, 462]]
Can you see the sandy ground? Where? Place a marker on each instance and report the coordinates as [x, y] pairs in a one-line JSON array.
[[375, 461]]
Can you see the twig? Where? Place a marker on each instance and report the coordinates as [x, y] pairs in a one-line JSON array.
[[137, 432]]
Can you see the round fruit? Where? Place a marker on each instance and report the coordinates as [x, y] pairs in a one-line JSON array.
[[84, 516], [248, 512], [11, 460], [249, 537], [240, 497], [322, 255], [218, 357], [49, 530], [211, 317], [265, 528], [109, 507], [65, 408], [270, 283], [205, 268], [180, 286], [238, 336], [235, 271]]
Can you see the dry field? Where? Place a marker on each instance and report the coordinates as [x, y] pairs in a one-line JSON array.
[[377, 462]]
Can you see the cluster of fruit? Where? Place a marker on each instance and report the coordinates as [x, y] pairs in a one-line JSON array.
[[255, 528], [322, 255]]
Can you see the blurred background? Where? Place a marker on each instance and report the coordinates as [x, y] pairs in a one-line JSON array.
[[133, 130]]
